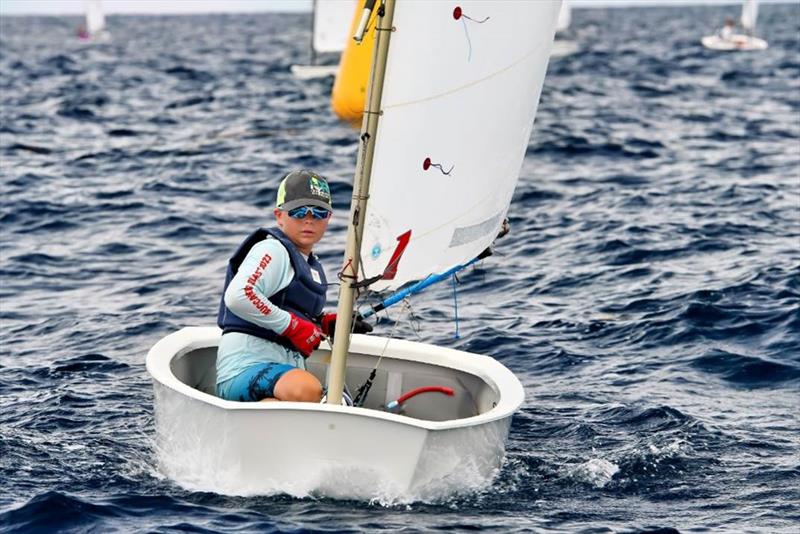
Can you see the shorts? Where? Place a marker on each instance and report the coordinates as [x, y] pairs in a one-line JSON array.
[[254, 383]]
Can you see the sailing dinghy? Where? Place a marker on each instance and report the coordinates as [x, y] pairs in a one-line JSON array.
[[453, 93], [330, 21], [738, 41], [563, 47], [95, 27]]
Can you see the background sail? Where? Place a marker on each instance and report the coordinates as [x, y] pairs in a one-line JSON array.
[[460, 95], [331, 23], [564, 16], [95, 19], [749, 14]]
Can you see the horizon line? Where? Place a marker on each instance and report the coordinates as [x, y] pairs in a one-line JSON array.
[[211, 7]]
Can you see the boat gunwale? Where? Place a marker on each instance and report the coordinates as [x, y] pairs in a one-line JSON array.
[[493, 373]]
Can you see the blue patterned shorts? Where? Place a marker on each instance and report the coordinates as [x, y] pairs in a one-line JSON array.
[[254, 383]]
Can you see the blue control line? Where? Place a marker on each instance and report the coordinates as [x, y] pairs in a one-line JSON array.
[[422, 284]]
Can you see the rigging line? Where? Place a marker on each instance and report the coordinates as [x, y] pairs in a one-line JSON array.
[[364, 282], [341, 276], [405, 308], [363, 390], [524, 58], [455, 303]]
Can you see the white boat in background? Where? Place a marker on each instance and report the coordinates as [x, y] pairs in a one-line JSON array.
[[564, 47], [441, 192], [739, 41], [95, 26], [330, 22]]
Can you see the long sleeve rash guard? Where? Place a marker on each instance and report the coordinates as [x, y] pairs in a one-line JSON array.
[[266, 270]]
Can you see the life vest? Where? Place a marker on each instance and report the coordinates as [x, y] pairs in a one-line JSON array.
[[304, 296]]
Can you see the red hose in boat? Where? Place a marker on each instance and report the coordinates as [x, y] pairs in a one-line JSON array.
[[425, 389]]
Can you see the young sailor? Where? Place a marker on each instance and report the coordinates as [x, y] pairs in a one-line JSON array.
[[726, 32], [271, 307]]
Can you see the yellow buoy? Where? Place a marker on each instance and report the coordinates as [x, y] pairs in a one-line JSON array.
[[350, 86]]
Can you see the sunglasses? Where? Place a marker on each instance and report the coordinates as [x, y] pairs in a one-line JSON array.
[[302, 211]]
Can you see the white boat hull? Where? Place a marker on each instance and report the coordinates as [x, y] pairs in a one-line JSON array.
[[205, 443], [736, 42]]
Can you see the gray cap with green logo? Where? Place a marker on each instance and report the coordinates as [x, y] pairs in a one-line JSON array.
[[303, 188]]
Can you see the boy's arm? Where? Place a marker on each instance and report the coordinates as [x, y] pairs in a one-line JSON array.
[[265, 271]]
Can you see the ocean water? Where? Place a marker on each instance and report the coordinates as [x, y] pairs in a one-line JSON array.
[[648, 296]]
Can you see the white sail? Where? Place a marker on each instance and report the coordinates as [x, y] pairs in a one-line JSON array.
[[95, 19], [564, 16], [461, 90], [331, 24], [749, 14]]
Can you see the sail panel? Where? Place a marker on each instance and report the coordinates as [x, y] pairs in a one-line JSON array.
[[331, 24], [749, 14], [564, 17], [461, 90], [95, 19]]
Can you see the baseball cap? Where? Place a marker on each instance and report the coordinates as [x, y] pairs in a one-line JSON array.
[[303, 188]]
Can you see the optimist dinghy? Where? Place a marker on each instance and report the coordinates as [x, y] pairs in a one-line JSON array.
[[739, 41], [442, 144], [95, 27], [330, 21]]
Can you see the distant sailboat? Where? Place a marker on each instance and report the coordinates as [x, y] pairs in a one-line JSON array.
[[564, 17], [727, 40], [564, 47], [95, 27], [330, 21]]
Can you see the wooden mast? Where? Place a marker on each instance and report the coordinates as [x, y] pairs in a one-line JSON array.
[[358, 205]]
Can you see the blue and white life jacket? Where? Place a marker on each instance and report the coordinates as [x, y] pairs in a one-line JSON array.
[[304, 296]]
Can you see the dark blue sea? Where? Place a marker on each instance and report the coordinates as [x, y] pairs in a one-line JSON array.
[[648, 296]]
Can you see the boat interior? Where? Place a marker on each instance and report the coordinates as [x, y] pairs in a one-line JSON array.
[[394, 377]]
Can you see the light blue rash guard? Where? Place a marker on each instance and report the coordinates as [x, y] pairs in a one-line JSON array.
[[237, 351]]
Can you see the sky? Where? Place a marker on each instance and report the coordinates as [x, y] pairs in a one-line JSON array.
[[76, 7]]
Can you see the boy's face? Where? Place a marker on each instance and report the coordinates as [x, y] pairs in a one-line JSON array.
[[305, 232]]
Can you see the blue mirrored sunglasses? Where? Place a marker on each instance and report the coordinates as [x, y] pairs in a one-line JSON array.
[[302, 211]]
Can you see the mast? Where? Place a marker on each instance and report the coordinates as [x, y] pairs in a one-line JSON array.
[[358, 205], [313, 29]]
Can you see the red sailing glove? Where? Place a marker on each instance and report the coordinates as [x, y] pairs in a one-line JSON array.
[[328, 321], [304, 335]]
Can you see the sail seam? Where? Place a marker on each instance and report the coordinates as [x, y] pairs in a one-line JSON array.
[[465, 86]]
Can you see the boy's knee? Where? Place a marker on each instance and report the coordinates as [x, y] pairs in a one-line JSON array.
[[298, 386]]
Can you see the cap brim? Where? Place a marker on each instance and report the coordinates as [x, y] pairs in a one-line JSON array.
[[292, 204]]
